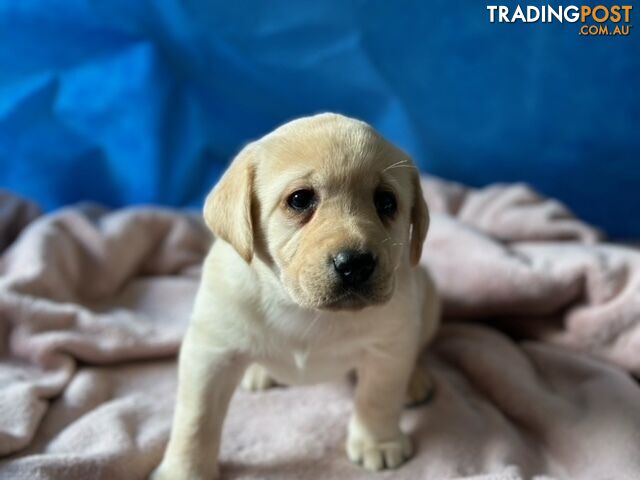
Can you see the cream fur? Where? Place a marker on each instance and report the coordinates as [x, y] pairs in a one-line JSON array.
[[267, 306]]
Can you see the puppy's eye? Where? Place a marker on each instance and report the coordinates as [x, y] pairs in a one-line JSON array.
[[301, 200], [385, 202]]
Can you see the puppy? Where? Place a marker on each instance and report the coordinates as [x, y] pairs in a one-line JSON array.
[[319, 226]]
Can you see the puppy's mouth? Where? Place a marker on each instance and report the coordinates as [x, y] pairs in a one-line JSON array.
[[356, 299], [332, 294]]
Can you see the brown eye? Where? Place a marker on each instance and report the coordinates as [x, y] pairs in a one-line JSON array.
[[385, 202], [302, 200]]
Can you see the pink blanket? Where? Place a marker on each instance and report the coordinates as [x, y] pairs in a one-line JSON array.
[[533, 366]]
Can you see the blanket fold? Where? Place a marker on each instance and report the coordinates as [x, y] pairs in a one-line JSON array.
[[532, 365]]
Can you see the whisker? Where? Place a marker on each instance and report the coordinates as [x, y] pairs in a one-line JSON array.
[[353, 292], [400, 166], [395, 269], [394, 164], [311, 324], [380, 352]]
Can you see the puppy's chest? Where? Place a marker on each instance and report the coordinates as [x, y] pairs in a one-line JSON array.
[[323, 351], [309, 364]]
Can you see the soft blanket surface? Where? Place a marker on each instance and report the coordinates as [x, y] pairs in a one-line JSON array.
[[533, 365]]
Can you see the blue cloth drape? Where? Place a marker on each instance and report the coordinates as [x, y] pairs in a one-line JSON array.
[[123, 101]]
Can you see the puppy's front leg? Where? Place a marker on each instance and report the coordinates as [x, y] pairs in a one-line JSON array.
[[375, 440], [207, 378]]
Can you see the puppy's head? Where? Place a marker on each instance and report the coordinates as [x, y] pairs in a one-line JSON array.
[[333, 208]]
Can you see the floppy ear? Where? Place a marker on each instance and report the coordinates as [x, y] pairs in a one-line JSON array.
[[227, 210], [419, 220]]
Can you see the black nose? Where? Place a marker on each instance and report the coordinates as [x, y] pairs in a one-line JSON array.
[[354, 267]]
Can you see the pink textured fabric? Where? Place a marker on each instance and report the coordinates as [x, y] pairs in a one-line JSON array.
[[532, 366]]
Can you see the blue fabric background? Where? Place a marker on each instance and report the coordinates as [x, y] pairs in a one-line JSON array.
[[131, 101]]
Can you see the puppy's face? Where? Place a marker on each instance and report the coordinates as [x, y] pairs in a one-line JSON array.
[[330, 206]]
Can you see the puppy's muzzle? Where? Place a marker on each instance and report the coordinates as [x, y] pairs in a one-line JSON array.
[[354, 268]]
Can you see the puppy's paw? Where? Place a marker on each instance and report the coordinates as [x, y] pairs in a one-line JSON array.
[[379, 455], [420, 388], [175, 472], [256, 379]]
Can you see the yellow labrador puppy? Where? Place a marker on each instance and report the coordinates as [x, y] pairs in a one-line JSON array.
[[320, 227]]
